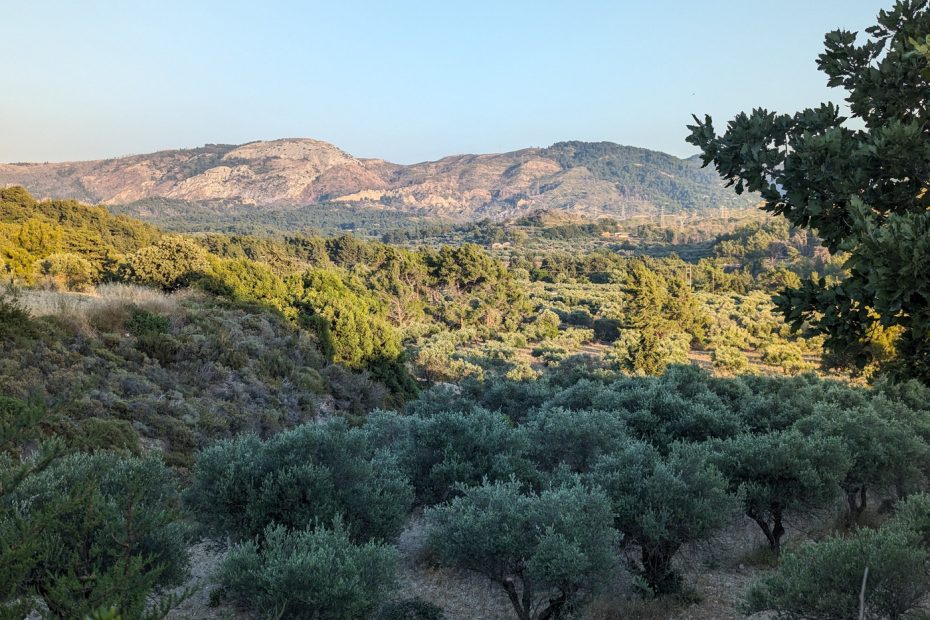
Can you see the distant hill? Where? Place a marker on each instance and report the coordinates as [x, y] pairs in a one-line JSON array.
[[585, 178]]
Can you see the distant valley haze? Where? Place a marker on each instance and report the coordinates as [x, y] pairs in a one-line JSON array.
[[589, 179]]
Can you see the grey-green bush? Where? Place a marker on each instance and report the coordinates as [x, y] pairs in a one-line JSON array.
[[544, 550], [311, 473], [662, 503], [312, 574], [822, 581]]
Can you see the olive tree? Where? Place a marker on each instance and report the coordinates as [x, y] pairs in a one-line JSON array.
[[545, 550], [824, 580], [662, 503], [573, 439], [310, 574], [780, 472], [449, 449], [884, 452]]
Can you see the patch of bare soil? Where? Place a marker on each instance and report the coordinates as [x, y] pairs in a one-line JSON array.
[[462, 595], [205, 558]]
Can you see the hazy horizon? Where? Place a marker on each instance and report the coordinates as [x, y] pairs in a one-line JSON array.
[[405, 83]]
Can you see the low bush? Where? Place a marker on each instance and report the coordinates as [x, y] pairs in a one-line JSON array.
[[311, 473], [823, 580], [104, 532], [312, 574]]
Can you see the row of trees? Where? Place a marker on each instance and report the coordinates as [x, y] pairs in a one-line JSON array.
[[546, 495]]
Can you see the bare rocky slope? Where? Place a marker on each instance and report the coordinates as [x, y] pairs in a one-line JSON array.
[[586, 178]]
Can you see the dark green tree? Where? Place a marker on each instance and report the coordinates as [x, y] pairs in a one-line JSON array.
[[861, 185], [111, 536], [350, 322]]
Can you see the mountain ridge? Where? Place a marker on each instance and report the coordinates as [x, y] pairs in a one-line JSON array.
[[586, 178]]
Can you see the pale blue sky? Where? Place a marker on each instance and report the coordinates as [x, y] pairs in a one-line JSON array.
[[403, 80]]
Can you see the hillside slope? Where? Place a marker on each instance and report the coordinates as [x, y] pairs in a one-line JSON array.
[[586, 178]]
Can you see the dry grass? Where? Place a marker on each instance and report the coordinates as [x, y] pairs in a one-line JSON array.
[[607, 607], [760, 556], [107, 308]]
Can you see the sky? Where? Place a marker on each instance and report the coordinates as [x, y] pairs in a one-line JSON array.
[[401, 80]]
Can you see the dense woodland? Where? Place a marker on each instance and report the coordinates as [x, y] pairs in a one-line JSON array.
[[586, 419]]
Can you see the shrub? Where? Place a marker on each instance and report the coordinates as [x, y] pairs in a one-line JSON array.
[[521, 371], [66, 270], [730, 359], [544, 550], [170, 263], [94, 433], [575, 439], [453, 449], [544, 325], [142, 322], [14, 319], [787, 356], [606, 329], [650, 351], [581, 317], [914, 514], [662, 503], [20, 427], [247, 280], [111, 533], [822, 581], [551, 353], [312, 574], [311, 473]]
